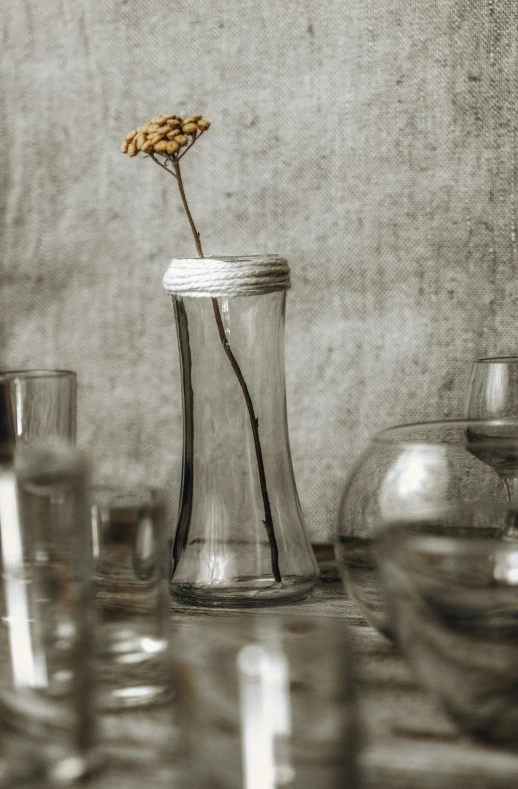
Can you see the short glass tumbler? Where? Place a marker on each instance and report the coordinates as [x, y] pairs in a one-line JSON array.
[[36, 405], [267, 701], [224, 553], [451, 586], [47, 683], [408, 470], [130, 554]]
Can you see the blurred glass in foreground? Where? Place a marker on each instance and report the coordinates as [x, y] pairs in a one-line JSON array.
[[131, 576], [451, 588], [46, 637], [267, 701]]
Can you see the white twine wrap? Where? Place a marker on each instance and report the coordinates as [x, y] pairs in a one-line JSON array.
[[228, 276]]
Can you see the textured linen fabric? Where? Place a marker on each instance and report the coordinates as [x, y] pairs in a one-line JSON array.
[[373, 144]]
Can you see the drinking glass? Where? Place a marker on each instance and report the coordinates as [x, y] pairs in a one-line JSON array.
[[130, 555], [46, 605], [493, 393], [267, 701], [451, 586], [37, 405], [21, 767], [407, 470]]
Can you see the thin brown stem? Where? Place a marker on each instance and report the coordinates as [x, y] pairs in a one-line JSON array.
[[163, 166], [190, 145], [195, 233], [254, 422]]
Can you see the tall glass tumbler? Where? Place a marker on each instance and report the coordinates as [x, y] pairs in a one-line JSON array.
[[37, 405], [46, 605], [131, 575], [267, 701]]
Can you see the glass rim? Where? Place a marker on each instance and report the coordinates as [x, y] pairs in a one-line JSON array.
[[395, 435], [445, 545], [58, 445], [496, 360], [128, 495], [11, 375], [266, 256], [44, 455]]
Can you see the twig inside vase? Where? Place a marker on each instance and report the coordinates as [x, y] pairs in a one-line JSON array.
[[254, 422]]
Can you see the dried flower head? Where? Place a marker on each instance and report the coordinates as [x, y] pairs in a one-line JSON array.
[[165, 135]]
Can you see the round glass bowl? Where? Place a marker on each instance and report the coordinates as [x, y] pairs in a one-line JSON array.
[[405, 476]]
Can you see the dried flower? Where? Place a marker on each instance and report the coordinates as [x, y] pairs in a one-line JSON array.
[[165, 134], [163, 138]]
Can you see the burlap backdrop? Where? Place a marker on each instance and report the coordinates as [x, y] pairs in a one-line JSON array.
[[373, 144]]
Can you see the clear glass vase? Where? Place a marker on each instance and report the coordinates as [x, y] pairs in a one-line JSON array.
[[240, 537]]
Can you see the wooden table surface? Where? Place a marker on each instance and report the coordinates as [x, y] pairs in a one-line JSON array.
[[408, 743]]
